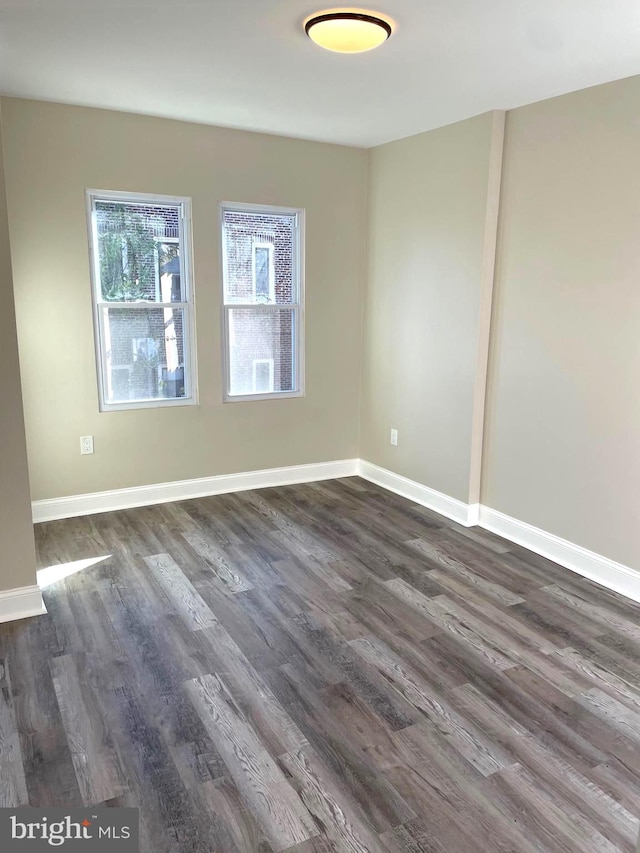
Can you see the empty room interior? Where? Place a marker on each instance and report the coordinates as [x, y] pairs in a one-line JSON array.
[[320, 426]]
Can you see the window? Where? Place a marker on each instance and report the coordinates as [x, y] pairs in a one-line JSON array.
[[262, 284], [143, 300]]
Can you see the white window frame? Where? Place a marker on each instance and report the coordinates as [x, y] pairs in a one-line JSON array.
[[296, 307], [187, 306], [268, 361]]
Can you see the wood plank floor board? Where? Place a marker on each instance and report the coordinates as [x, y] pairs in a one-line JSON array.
[[324, 796], [420, 576], [622, 719], [560, 627], [252, 694], [343, 754], [551, 771], [625, 649], [339, 622], [236, 827], [557, 825], [624, 689], [603, 656], [413, 837], [599, 612], [386, 614], [307, 585], [393, 709], [262, 783], [507, 568], [166, 752], [463, 735], [577, 723], [520, 635], [62, 633], [298, 536], [516, 635], [13, 785], [211, 516], [180, 592], [450, 568], [323, 668], [479, 537], [483, 637], [511, 690], [273, 614], [361, 726], [462, 581], [541, 567], [225, 575], [237, 621], [574, 791], [154, 666], [161, 742], [95, 761], [447, 793], [49, 772], [154, 780], [619, 782]]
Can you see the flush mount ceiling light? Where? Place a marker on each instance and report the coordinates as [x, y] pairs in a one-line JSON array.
[[347, 32]]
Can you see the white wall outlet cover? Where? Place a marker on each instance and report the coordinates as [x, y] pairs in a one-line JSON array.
[[394, 437], [86, 444]]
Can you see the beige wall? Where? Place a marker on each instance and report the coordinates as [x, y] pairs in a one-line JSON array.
[[17, 552], [562, 449], [54, 152], [428, 199]]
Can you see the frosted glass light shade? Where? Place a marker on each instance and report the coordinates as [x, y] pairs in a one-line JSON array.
[[347, 32]]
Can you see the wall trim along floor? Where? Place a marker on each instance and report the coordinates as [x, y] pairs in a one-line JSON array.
[[452, 508], [606, 572], [181, 490], [602, 570], [20, 603]]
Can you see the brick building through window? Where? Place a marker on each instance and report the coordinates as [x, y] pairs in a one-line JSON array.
[[262, 301]]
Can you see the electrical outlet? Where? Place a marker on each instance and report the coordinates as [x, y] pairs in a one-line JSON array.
[[394, 437], [86, 444]]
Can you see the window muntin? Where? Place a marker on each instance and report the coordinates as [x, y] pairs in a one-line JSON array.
[[143, 300], [262, 292]]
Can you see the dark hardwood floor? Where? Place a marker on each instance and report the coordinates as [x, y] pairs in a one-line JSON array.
[[324, 667]]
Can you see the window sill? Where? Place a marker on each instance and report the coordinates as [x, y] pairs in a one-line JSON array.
[[148, 404], [275, 395]]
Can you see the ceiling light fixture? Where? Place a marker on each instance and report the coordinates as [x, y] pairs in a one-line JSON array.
[[347, 32]]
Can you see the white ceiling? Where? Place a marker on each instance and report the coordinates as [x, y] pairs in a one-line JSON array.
[[248, 64]]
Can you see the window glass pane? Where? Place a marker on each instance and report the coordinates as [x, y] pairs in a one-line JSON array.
[[261, 347], [144, 353], [259, 256], [138, 252]]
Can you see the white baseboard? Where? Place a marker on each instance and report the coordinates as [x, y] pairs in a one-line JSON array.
[[615, 576], [452, 508], [607, 573], [20, 603], [473, 515], [55, 508]]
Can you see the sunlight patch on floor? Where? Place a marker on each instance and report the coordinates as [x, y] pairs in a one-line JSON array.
[[59, 571]]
